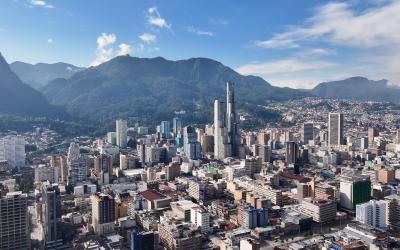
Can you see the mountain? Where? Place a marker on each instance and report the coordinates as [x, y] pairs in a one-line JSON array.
[[38, 75], [156, 88], [358, 88], [17, 97]]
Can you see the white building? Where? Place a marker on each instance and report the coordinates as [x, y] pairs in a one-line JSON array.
[[121, 133], [12, 150], [45, 173], [200, 217], [372, 213]]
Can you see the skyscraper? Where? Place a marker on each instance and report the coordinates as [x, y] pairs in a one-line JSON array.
[[103, 213], [12, 150], [14, 225], [51, 212], [227, 141], [335, 124], [372, 213], [292, 152], [354, 189], [121, 133], [165, 128], [191, 145], [307, 133], [176, 125], [76, 165]]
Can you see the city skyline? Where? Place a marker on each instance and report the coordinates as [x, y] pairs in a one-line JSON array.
[[296, 44]]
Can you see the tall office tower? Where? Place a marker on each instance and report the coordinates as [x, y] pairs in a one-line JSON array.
[[14, 225], [176, 125], [307, 132], [292, 152], [227, 141], [51, 212], [372, 213], [103, 167], [191, 146], [335, 124], [393, 212], [103, 213], [363, 143], [112, 138], [372, 133], [121, 129], [76, 165], [354, 189], [63, 169], [165, 128], [220, 138], [12, 150], [232, 122]]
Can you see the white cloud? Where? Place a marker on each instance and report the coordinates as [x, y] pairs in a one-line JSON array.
[[154, 18], [282, 66], [105, 50], [41, 3], [147, 37], [192, 29], [124, 49], [337, 23], [49, 40], [371, 35]]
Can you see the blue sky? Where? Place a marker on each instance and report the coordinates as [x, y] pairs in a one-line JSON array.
[[288, 43]]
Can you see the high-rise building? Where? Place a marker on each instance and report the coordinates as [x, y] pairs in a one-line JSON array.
[[250, 217], [292, 152], [179, 236], [165, 128], [176, 125], [200, 217], [227, 141], [393, 212], [121, 130], [335, 124], [372, 213], [14, 225], [103, 167], [103, 213], [191, 146], [307, 132], [76, 165], [12, 150], [397, 139], [112, 138], [372, 133], [51, 212], [354, 189], [363, 143]]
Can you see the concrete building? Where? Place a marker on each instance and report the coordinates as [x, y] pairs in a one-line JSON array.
[[76, 165], [200, 217], [176, 125], [372, 213], [12, 150], [121, 130], [14, 222], [354, 189], [179, 236], [191, 145], [320, 210], [45, 173], [103, 213], [307, 132], [250, 217], [393, 212], [292, 152], [335, 129]]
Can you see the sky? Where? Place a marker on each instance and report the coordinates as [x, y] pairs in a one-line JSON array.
[[289, 43]]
